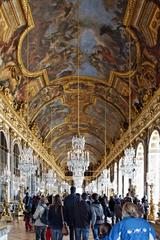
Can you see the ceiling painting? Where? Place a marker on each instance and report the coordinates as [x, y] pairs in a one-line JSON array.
[[60, 130], [66, 28], [51, 116], [101, 111]]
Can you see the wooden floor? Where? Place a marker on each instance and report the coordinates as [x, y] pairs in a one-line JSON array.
[[17, 232]]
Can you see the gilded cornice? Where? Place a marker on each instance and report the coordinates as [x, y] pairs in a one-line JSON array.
[[130, 11], [149, 114], [18, 124], [145, 16]]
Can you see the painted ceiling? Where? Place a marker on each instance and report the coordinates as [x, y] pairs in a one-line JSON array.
[[70, 29], [97, 49]]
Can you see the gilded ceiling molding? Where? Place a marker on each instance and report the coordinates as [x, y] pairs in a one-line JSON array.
[[31, 25], [130, 11], [145, 16], [11, 18], [18, 124], [149, 114]]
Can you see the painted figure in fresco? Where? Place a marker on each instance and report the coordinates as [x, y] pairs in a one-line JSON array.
[[10, 74]]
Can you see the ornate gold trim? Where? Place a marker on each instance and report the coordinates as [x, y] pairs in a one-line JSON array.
[[31, 25], [18, 124], [149, 114]]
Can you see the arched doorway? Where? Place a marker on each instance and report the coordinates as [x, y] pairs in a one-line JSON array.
[[139, 179], [3, 158], [154, 165]]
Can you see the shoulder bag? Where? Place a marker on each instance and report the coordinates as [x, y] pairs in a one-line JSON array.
[[64, 228]]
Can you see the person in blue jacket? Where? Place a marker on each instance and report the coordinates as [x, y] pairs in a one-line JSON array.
[[132, 227]]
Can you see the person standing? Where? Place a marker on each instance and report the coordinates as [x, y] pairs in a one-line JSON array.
[[69, 206], [145, 206], [111, 207], [97, 216], [27, 218], [55, 219], [83, 216], [132, 226], [40, 217], [27, 200]]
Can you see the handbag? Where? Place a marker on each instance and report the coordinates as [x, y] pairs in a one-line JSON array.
[[65, 231]]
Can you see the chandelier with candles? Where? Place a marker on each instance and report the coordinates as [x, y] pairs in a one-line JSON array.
[[26, 164], [78, 159]]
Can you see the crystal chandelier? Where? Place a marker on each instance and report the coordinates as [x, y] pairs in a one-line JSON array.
[[6, 176], [129, 166], [78, 157], [50, 177], [26, 164]]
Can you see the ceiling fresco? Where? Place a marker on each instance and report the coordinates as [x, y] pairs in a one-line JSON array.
[[68, 28], [51, 116], [106, 43]]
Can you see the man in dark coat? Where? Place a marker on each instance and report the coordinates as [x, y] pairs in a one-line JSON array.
[[69, 206], [83, 216]]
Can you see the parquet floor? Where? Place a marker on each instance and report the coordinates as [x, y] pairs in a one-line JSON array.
[[17, 232]]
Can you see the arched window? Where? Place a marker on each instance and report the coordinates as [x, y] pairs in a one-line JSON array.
[[16, 154], [3, 152], [154, 164], [139, 179]]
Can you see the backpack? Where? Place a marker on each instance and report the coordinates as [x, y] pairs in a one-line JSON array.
[[44, 217]]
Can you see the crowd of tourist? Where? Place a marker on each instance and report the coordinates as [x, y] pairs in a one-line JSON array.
[[78, 215]]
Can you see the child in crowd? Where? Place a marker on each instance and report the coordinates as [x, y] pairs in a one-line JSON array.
[[27, 217], [105, 230]]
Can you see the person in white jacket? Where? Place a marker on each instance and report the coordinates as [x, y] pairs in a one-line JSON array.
[[40, 226]]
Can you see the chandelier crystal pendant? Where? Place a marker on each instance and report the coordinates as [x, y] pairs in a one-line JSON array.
[[26, 164]]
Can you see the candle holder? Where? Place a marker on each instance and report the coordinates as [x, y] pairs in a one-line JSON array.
[[20, 201], [152, 209], [158, 220], [6, 215]]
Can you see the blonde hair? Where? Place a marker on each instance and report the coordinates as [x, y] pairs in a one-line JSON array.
[[130, 210]]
